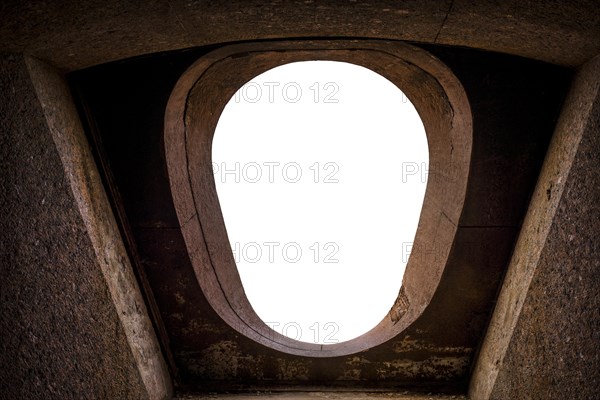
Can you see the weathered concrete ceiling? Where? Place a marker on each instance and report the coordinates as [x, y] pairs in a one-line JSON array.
[[75, 35], [514, 109]]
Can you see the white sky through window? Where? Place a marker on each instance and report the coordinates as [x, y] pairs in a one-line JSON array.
[[320, 169]]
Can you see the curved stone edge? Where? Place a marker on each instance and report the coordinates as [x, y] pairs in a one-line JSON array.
[[176, 149]]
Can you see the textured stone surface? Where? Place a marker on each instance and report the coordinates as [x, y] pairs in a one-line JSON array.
[[61, 337], [545, 30], [77, 35], [543, 338], [71, 326], [67, 132], [555, 349]]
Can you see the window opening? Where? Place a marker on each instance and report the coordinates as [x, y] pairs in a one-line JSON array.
[[321, 169]]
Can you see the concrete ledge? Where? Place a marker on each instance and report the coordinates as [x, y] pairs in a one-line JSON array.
[[85, 183], [323, 395], [575, 121], [75, 37]]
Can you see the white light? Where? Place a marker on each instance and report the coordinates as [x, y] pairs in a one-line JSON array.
[[320, 169]]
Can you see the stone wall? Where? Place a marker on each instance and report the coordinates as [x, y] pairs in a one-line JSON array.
[[543, 340], [73, 324]]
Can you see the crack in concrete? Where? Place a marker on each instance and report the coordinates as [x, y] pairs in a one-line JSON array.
[[443, 22]]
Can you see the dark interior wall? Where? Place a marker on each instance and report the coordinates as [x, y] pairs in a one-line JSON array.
[[60, 335], [514, 112]]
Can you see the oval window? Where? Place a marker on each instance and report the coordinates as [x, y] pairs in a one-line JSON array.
[[320, 169]]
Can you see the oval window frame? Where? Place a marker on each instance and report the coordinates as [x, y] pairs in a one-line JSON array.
[[191, 116]]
